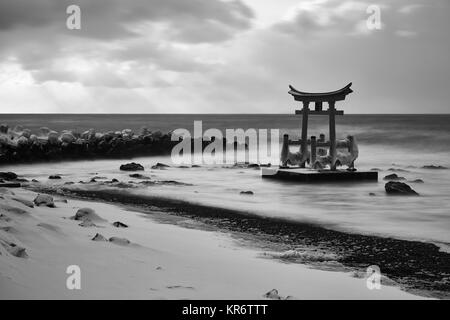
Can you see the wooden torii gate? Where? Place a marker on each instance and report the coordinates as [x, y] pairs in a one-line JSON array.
[[319, 98]]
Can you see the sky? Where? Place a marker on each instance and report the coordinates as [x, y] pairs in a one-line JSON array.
[[222, 56]]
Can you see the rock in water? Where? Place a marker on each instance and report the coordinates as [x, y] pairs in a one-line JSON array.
[[54, 176], [432, 166], [160, 166], [247, 192], [393, 177], [44, 199], [119, 224], [138, 176], [121, 241], [131, 167], [8, 175], [272, 294], [399, 188], [99, 237]]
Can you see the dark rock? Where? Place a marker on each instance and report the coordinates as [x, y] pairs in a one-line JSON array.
[[418, 181], [17, 251], [44, 199], [55, 176], [119, 224], [272, 294], [99, 237], [433, 167], [160, 166], [10, 185], [86, 214], [399, 188], [246, 192], [114, 180], [268, 165], [8, 175], [131, 167], [34, 180], [375, 169], [121, 241], [371, 194], [397, 170], [138, 176], [393, 177]]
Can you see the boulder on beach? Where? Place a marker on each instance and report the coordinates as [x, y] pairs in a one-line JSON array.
[[44, 199], [119, 224], [160, 166], [17, 251], [399, 188], [99, 237], [8, 175], [86, 214], [131, 167], [393, 177], [272, 294], [54, 176], [246, 192], [121, 241]]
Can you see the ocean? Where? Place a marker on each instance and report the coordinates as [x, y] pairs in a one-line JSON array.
[[401, 144]]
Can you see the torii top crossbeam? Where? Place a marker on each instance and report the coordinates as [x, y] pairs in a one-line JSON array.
[[318, 99]]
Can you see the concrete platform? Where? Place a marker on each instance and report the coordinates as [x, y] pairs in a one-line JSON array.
[[311, 175]]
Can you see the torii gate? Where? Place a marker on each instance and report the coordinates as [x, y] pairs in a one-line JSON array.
[[318, 99]]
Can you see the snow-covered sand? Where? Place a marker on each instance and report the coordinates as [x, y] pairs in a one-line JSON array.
[[163, 261]]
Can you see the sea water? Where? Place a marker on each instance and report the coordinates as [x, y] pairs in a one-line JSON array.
[[400, 144]]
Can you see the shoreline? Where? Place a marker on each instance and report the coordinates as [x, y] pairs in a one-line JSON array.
[[161, 261], [416, 266]]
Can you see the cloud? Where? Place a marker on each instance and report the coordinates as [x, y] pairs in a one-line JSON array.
[[215, 56], [324, 17], [121, 43]]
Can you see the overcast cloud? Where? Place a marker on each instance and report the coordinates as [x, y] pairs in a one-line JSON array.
[[195, 56]]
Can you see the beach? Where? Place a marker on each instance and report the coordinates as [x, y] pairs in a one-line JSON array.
[[162, 261]]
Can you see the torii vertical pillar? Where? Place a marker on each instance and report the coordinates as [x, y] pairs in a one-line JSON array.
[[332, 114], [304, 144]]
